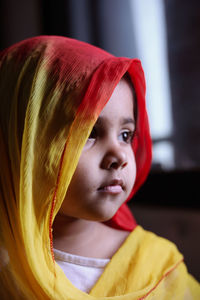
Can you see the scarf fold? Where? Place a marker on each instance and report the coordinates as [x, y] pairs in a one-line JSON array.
[[52, 90]]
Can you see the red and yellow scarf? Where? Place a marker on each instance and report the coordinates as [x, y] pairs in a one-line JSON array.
[[52, 90]]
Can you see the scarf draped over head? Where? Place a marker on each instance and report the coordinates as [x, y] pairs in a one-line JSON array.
[[52, 90]]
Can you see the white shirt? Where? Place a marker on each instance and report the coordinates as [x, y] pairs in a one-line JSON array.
[[82, 271]]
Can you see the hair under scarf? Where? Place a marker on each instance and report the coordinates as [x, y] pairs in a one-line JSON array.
[[52, 90]]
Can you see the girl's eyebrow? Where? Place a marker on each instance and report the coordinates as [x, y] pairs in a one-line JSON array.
[[123, 121], [127, 121]]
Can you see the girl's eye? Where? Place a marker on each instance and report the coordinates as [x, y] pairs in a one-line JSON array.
[[127, 136], [93, 134], [91, 139]]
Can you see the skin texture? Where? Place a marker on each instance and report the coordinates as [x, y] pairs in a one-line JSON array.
[[101, 183]]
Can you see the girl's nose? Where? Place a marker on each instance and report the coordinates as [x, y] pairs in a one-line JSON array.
[[114, 159]]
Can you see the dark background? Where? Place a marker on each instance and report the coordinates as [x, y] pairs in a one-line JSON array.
[[168, 203]]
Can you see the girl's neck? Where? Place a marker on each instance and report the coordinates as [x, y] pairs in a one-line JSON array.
[[86, 238]]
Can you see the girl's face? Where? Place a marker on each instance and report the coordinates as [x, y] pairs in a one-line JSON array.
[[106, 171]]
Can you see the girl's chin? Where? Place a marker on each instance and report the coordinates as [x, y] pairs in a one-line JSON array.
[[96, 212], [102, 216]]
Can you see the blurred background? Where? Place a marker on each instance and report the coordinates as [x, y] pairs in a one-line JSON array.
[[165, 35]]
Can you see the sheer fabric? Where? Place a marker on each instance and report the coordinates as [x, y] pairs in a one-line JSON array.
[[52, 90]]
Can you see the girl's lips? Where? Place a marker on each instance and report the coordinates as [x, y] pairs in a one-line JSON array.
[[115, 186], [112, 189]]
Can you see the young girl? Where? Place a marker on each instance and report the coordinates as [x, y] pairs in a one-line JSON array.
[[75, 146]]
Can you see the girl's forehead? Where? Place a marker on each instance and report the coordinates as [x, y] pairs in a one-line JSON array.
[[120, 106]]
